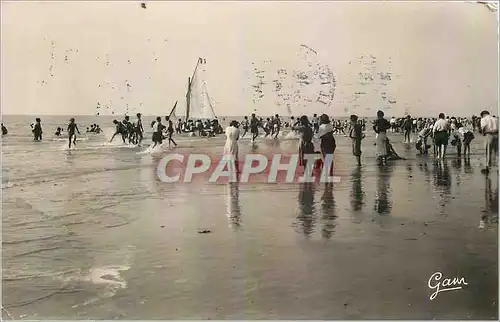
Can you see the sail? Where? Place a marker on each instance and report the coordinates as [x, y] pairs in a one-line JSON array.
[[172, 112], [199, 105], [492, 5]]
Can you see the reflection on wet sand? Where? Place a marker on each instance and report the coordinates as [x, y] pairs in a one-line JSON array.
[[233, 205], [383, 204], [329, 216], [357, 194], [490, 211], [424, 167], [306, 220], [467, 166], [442, 183]]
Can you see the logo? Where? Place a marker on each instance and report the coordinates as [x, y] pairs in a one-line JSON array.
[[435, 283], [252, 168]]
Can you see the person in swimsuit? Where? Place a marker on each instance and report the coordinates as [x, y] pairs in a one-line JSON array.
[[72, 127], [407, 127], [37, 130], [254, 127], [129, 128], [245, 123], [120, 129], [4, 130], [139, 130], [356, 135], [277, 126], [170, 131], [157, 132]]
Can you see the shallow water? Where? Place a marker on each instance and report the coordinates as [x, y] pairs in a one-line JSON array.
[[91, 233]]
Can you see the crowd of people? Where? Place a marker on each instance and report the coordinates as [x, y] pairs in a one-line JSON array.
[[437, 133], [441, 132]]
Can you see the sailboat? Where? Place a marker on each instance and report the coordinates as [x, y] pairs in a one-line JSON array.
[[198, 102]]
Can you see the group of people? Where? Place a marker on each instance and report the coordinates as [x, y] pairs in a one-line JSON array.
[[94, 128], [133, 132], [441, 130], [208, 127], [36, 129]]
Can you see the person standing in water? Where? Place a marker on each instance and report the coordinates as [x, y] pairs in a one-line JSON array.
[[244, 123], [407, 126], [4, 130], [277, 125], [489, 129], [328, 144], [120, 129], [157, 132], [380, 126], [72, 127], [170, 131], [129, 128], [254, 127], [306, 136], [467, 135], [356, 134], [440, 132], [315, 123], [37, 130], [139, 129], [231, 146]]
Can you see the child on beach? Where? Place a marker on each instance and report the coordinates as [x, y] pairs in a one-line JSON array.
[[356, 134]]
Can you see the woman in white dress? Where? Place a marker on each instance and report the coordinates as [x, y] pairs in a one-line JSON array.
[[232, 137]]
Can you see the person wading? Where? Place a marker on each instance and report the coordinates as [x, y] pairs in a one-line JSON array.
[[489, 129], [440, 133], [380, 126]]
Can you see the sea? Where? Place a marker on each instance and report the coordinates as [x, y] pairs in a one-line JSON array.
[[91, 233]]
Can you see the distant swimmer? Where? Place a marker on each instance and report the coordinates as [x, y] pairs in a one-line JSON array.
[[97, 129], [58, 132], [4, 130], [120, 129], [37, 129], [72, 127]]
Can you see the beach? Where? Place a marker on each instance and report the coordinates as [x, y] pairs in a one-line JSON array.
[[92, 233]]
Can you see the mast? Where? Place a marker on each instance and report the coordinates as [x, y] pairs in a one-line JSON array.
[[188, 100]]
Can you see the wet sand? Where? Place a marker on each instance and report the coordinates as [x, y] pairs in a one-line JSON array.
[[107, 241]]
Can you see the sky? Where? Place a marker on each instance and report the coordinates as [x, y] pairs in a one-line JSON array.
[[63, 58]]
